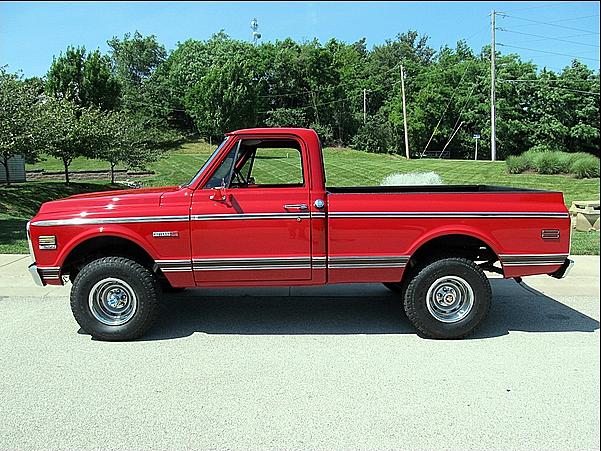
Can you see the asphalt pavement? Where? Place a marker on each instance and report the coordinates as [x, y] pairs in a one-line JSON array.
[[335, 367]]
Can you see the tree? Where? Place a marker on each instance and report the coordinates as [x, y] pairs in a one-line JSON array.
[[69, 131], [121, 139], [19, 131], [135, 60], [136, 57], [225, 99], [83, 78]]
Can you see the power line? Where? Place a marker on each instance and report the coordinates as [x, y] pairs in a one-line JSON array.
[[456, 127], [309, 91], [445, 110], [569, 36], [546, 37], [552, 24], [552, 5], [545, 51], [319, 104], [554, 87]]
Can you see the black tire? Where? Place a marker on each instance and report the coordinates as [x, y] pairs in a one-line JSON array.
[[422, 313], [137, 280]]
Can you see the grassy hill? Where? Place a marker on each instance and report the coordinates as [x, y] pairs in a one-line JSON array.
[[344, 167]]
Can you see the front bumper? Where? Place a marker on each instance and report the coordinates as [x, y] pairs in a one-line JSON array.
[[35, 274], [564, 269]]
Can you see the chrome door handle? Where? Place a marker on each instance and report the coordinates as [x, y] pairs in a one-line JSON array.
[[295, 206]]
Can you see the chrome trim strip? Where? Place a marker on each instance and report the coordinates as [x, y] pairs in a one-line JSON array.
[[366, 266], [445, 214], [250, 216], [367, 262], [251, 261], [87, 221], [532, 259], [505, 256], [245, 268]]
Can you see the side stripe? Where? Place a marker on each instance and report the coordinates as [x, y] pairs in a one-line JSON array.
[[532, 259], [50, 273], [250, 216], [306, 215], [86, 221], [444, 214]]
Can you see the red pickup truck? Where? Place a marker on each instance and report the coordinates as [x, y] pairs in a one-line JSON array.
[[259, 213]]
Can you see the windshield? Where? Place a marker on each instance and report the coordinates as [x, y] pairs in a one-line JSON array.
[[207, 163]]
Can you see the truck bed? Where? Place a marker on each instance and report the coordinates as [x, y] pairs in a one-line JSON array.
[[431, 189]]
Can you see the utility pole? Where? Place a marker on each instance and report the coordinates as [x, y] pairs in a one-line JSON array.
[[404, 114], [493, 111], [364, 106]]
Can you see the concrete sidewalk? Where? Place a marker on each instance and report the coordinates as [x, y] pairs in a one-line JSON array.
[[583, 280]]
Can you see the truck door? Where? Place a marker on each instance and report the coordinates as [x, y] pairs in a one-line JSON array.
[[250, 222]]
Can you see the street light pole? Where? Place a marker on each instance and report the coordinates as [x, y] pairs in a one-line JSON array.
[[493, 112], [405, 114]]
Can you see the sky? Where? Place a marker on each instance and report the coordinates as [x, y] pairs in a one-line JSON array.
[[548, 33]]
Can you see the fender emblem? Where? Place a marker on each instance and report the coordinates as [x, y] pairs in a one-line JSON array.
[[165, 234]]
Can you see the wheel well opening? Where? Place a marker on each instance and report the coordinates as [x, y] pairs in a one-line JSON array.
[[105, 246], [456, 245]]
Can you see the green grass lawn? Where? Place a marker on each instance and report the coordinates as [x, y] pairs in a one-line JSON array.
[[344, 167]]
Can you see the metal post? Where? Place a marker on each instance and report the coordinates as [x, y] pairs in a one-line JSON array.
[[493, 112], [405, 114], [364, 106], [476, 154]]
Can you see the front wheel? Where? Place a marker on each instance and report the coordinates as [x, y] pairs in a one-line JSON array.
[[114, 298], [448, 298]]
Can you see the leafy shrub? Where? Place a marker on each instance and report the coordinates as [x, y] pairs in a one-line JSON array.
[[412, 178], [541, 148], [545, 161], [375, 136], [552, 163], [587, 166], [516, 164]]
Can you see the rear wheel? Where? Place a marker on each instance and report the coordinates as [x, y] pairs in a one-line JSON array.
[[448, 298], [115, 298]]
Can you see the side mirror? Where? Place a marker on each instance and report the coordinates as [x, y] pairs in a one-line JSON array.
[[220, 192]]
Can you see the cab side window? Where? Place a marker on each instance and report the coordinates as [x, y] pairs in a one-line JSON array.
[[273, 163], [281, 166]]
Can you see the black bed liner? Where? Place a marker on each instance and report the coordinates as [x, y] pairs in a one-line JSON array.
[[431, 189]]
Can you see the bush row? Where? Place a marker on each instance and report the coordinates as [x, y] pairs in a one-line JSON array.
[[579, 164]]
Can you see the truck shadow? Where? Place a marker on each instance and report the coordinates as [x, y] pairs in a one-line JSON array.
[[373, 311]]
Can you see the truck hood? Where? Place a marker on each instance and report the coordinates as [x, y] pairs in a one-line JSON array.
[[116, 202]]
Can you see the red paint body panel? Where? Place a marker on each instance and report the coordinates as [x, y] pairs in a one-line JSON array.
[[251, 239]]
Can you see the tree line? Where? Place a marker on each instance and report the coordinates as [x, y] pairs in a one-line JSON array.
[[128, 104]]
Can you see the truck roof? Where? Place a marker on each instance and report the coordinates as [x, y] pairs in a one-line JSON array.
[[272, 130]]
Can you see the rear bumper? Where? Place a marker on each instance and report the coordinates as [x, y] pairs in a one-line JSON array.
[[35, 274], [564, 269]]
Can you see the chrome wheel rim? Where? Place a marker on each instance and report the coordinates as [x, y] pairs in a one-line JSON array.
[[112, 301], [450, 299]]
